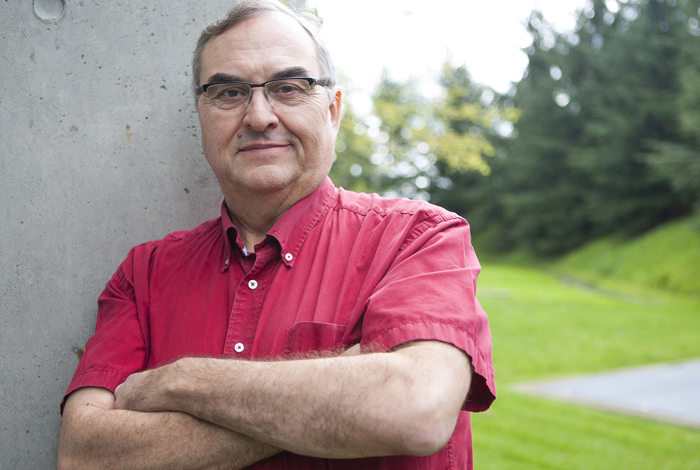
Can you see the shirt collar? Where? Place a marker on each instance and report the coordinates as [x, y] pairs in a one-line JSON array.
[[228, 229], [291, 229]]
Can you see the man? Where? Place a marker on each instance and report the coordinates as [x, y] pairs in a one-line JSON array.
[[375, 348]]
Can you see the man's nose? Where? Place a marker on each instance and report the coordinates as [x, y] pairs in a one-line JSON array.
[[259, 114]]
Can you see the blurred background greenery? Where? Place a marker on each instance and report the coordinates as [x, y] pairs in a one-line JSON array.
[[600, 137], [582, 188]]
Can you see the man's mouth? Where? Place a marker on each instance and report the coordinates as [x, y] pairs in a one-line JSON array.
[[261, 146]]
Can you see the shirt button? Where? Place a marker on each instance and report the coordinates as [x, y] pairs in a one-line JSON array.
[[289, 256], [239, 347], [253, 284]]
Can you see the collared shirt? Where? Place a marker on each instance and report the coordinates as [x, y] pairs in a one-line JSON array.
[[337, 269]]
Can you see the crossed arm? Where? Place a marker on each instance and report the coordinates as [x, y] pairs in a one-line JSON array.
[[228, 414]]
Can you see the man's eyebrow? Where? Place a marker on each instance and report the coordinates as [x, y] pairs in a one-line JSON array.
[[224, 77], [291, 72], [286, 73]]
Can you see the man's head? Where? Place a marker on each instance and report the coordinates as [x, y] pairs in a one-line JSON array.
[[247, 9], [266, 145]]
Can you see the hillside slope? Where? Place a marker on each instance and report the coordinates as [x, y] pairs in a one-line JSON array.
[[666, 258]]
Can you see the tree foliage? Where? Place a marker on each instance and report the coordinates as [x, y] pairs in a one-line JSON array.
[[418, 144], [352, 168], [606, 134]]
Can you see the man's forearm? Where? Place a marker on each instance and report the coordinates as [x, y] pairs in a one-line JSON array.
[[405, 402], [94, 436]]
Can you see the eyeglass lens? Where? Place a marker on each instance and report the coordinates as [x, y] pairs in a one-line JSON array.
[[285, 92]]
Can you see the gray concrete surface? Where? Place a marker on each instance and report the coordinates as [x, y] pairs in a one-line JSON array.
[[666, 392], [77, 189]]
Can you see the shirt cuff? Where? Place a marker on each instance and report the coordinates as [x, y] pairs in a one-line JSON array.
[[482, 390], [103, 378]]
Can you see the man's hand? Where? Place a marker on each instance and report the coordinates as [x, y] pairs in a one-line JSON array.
[[144, 391]]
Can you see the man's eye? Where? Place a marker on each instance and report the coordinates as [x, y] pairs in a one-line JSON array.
[[234, 93], [286, 89]]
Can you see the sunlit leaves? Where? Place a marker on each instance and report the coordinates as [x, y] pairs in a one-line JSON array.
[[464, 153], [422, 143], [352, 168]]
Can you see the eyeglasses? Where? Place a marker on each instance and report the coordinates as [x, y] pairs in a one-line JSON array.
[[282, 91]]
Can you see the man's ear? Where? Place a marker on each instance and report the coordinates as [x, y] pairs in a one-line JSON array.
[[335, 108]]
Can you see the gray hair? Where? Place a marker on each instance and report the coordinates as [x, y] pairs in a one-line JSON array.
[[245, 9]]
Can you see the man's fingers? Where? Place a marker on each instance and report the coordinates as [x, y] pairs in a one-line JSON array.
[[124, 393], [119, 397]]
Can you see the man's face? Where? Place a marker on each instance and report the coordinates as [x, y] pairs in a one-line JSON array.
[[264, 149]]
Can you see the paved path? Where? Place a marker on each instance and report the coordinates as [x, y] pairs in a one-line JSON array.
[[666, 392]]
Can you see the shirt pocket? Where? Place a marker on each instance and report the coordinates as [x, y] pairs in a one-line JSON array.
[[311, 336]]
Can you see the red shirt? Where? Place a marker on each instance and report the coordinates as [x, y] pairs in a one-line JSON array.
[[336, 269]]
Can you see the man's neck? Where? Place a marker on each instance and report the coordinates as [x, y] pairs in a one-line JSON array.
[[254, 215], [252, 221]]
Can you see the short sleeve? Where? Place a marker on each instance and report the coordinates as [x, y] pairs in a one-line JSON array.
[[429, 293], [119, 347]]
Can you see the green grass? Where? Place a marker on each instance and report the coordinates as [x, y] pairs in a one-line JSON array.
[[523, 432], [544, 329], [666, 258]]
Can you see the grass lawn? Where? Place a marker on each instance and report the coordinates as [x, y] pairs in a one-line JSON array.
[[544, 329]]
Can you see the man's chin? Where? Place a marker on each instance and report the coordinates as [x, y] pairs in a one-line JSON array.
[[290, 186], [269, 181]]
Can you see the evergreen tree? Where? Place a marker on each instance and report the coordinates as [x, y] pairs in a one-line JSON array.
[[597, 107], [678, 161]]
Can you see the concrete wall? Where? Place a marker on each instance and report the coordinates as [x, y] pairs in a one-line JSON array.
[[77, 190]]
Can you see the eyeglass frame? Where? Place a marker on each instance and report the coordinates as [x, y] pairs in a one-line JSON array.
[[309, 80]]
